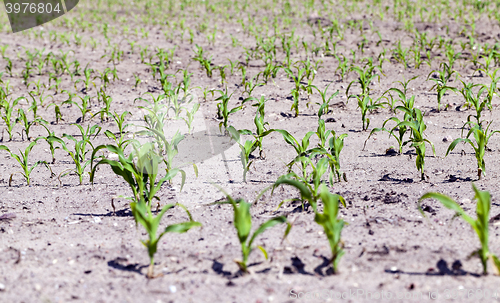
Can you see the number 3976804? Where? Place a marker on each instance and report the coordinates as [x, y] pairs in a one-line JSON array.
[[32, 8]]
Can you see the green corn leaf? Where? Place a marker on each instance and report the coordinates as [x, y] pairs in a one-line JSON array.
[[266, 225], [263, 250], [448, 203]]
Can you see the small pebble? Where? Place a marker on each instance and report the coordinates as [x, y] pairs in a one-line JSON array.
[[2, 287], [172, 289], [447, 139]]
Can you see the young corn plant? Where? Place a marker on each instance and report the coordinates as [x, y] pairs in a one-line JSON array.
[[23, 119], [365, 104], [481, 138], [243, 223], [441, 81], [57, 112], [474, 100], [80, 151], [399, 136], [402, 94], [480, 225], [51, 139], [84, 108], [297, 79], [417, 126], [8, 109], [344, 66], [332, 151], [401, 54], [295, 104], [251, 84], [323, 107], [328, 219], [155, 122], [140, 170], [331, 224], [167, 149], [246, 149], [190, 116], [261, 129], [300, 149], [492, 88], [105, 112], [223, 110], [250, 146], [22, 159], [120, 121], [366, 76], [88, 79]]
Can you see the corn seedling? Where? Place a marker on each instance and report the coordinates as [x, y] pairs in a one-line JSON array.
[[474, 100], [106, 100], [186, 81], [51, 139], [399, 136], [57, 85], [246, 149], [331, 224], [297, 79], [190, 116], [323, 109], [23, 119], [8, 109], [365, 104], [417, 126], [441, 81], [88, 79], [328, 219], [366, 76], [206, 63], [260, 125], [176, 104], [251, 84], [120, 137], [481, 138], [84, 108], [402, 94], [223, 110], [480, 225], [78, 155], [40, 87], [22, 159], [243, 224], [141, 175], [137, 80], [300, 148], [332, 150], [120, 121], [169, 149], [401, 54]]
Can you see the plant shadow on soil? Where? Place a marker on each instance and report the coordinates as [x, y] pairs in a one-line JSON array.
[[298, 266], [218, 268], [117, 263], [119, 213], [442, 270]]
